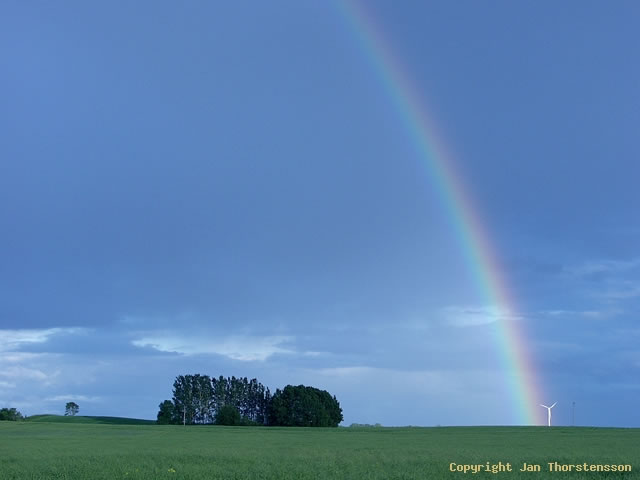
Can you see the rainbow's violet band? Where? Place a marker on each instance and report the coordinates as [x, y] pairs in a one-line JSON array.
[[520, 374]]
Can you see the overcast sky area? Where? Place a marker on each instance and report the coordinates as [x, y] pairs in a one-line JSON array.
[[227, 188]]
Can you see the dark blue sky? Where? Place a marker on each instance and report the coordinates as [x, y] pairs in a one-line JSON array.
[[229, 189]]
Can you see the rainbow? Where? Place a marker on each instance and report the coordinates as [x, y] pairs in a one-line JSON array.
[[521, 380]]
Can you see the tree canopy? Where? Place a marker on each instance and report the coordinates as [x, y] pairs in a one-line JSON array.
[[197, 399], [71, 408], [228, 415], [166, 413], [10, 414], [200, 399], [304, 407]]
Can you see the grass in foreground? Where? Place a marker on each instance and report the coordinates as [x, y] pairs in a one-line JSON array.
[[38, 451]]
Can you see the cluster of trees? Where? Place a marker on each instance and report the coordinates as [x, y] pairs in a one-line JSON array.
[[10, 414], [200, 399]]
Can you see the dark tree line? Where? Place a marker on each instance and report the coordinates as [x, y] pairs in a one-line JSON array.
[[200, 399], [304, 407], [10, 414]]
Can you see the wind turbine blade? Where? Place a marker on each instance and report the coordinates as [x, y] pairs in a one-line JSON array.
[[553, 405], [543, 406]]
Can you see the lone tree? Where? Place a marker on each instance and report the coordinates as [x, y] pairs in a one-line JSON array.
[[71, 409]]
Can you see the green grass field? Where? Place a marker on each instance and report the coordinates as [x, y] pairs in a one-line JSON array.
[[82, 419], [111, 449]]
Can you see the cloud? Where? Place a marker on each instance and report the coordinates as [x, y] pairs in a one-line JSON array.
[[579, 313], [32, 369], [346, 371], [603, 266], [15, 339], [440, 380], [562, 347], [18, 357], [20, 372], [432, 382], [616, 280], [245, 348], [468, 316], [315, 354], [622, 292]]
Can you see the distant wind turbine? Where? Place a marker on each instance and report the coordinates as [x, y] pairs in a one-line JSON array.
[[549, 410]]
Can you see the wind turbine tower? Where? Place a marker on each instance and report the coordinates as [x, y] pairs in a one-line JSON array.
[[549, 410]]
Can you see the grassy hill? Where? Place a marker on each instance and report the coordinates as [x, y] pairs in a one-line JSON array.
[[94, 420]]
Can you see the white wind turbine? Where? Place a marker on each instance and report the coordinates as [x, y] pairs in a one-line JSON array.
[[549, 409]]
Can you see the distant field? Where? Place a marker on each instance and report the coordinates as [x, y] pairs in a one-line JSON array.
[[39, 450], [83, 419]]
